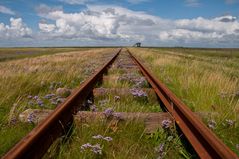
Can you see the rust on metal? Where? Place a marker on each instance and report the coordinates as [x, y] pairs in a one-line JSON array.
[[57, 123], [37, 142], [203, 140]]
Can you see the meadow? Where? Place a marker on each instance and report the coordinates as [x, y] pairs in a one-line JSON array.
[[114, 137], [19, 53], [207, 80], [38, 77]]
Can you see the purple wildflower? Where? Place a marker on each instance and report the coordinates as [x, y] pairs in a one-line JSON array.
[[49, 96], [93, 108], [97, 137], [108, 112], [118, 116], [29, 97], [116, 98], [31, 117], [138, 93], [40, 102], [159, 148], [230, 122], [108, 138], [212, 124], [35, 97], [97, 149], [86, 146], [166, 123], [139, 82]]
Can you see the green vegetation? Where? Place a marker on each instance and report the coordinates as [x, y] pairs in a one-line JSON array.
[[206, 80], [129, 139], [230, 53], [40, 76], [18, 53]]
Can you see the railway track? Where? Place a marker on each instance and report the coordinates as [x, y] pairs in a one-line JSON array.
[[59, 121]]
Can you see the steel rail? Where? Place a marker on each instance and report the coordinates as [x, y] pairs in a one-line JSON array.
[[36, 143], [203, 140]]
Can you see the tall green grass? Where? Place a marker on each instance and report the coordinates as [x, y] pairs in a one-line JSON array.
[[19, 53], [35, 77], [204, 82]]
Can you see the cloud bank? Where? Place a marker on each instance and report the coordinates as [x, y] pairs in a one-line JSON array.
[[113, 25], [16, 29]]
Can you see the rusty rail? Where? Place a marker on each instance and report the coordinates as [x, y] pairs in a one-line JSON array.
[[37, 142], [203, 140]]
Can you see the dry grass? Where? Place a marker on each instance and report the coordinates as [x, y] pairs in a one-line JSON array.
[[34, 76], [204, 83]]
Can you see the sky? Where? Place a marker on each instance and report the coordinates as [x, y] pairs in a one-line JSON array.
[[168, 23]]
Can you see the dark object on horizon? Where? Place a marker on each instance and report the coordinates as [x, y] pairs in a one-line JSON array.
[[137, 45]]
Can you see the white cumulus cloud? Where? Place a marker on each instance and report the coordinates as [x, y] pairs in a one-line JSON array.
[[6, 10], [16, 29], [112, 24]]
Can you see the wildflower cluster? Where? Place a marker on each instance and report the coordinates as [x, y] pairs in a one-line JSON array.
[[109, 113], [31, 117], [160, 150], [93, 108], [97, 149], [102, 137], [57, 100], [166, 124], [230, 122], [35, 100], [133, 78], [138, 92], [88, 105], [52, 98], [212, 124]]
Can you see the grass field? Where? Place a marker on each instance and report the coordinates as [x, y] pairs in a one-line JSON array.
[[38, 77], [128, 138], [207, 80], [18, 53]]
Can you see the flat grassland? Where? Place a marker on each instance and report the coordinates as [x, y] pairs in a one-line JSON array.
[[38, 77], [207, 80], [18, 53]]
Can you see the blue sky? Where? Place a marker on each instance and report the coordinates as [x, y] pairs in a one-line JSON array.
[[192, 23]]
